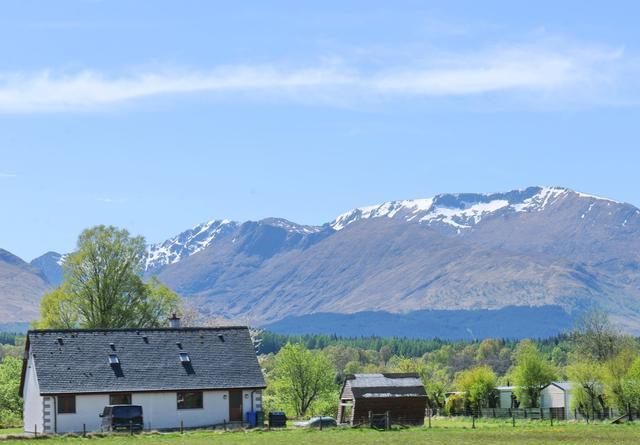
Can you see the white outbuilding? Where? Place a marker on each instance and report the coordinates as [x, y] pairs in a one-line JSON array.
[[556, 397], [194, 377]]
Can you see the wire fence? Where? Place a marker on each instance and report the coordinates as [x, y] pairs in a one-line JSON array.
[[557, 413]]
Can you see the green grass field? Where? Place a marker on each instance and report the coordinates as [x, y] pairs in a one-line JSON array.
[[444, 432]]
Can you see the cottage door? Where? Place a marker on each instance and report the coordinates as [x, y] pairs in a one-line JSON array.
[[235, 405]]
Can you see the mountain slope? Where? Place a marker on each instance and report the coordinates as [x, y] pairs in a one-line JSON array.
[[21, 287], [534, 247], [542, 247], [50, 265]]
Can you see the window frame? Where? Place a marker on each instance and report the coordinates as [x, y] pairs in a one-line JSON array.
[[67, 409], [182, 394], [121, 394]]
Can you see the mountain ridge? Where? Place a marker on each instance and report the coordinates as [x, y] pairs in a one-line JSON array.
[[538, 246]]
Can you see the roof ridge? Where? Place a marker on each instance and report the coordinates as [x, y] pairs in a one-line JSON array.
[[185, 329]]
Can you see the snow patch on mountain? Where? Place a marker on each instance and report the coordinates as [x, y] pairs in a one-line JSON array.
[[291, 226], [465, 217], [185, 244]]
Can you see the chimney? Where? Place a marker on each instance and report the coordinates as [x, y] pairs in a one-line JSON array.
[[174, 322]]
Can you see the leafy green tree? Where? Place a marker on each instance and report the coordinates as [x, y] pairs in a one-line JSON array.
[[631, 385], [587, 387], [58, 310], [302, 378], [10, 402], [103, 287], [437, 382], [478, 385], [616, 373], [531, 373]]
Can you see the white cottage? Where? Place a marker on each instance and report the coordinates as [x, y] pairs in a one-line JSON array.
[[194, 376]]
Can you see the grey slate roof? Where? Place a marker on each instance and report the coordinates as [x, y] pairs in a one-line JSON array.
[[386, 385], [77, 361]]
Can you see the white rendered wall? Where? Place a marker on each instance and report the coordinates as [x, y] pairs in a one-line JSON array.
[[160, 410], [88, 410], [32, 401]]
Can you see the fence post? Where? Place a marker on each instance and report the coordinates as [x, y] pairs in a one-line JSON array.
[[181, 427], [35, 430], [387, 421], [541, 413], [513, 420], [131, 427], [320, 423], [370, 419], [525, 413], [473, 422], [429, 418], [84, 430], [551, 417]]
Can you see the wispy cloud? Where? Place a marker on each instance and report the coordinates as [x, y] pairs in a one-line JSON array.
[[7, 175], [514, 69], [108, 200]]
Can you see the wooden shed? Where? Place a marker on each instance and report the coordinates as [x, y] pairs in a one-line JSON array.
[[402, 395]]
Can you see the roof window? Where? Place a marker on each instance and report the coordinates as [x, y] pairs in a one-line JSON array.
[[113, 359], [184, 357]]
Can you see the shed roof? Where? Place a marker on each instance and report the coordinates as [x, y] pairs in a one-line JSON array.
[[77, 361], [565, 386], [386, 385]]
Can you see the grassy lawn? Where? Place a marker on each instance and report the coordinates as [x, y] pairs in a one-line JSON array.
[[10, 431], [444, 432]]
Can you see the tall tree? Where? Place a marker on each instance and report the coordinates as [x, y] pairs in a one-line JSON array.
[[596, 338], [531, 373], [302, 377], [615, 377], [103, 287], [587, 387]]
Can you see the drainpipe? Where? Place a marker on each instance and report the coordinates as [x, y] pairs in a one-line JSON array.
[[55, 414]]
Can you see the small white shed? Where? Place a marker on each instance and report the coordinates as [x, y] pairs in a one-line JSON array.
[[556, 396], [506, 397]]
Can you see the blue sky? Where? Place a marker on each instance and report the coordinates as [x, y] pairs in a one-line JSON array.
[[156, 116]]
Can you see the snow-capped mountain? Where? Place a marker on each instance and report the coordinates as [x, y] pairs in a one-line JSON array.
[[538, 247], [452, 212], [186, 243], [465, 210]]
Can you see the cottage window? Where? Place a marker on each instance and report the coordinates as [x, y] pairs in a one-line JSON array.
[[67, 404], [120, 399], [190, 399]]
